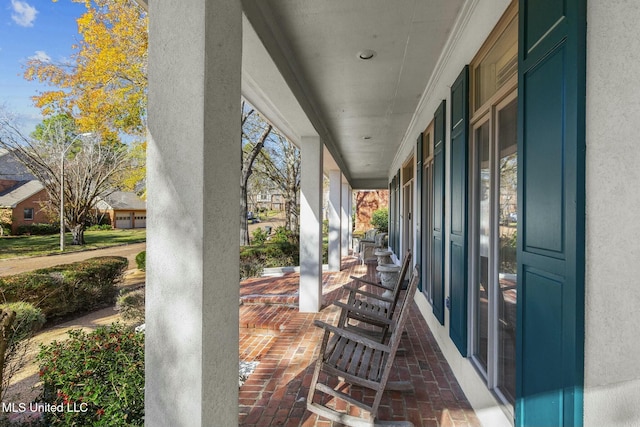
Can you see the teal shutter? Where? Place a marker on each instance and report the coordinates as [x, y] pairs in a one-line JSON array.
[[551, 198], [417, 215], [459, 178], [437, 254]]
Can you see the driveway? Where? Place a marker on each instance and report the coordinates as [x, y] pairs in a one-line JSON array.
[[20, 265]]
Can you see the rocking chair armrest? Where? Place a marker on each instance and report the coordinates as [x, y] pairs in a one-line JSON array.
[[368, 282], [368, 294], [352, 336], [373, 316]]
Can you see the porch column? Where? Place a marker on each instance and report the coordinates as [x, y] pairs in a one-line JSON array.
[[335, 213], [345, 214], [310, 224], [192, 239]]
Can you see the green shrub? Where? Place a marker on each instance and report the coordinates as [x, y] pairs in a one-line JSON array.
[[99, 227], [259, 236], [131, 304], [38, 229], [250, 268], [141, 260], [380, 219], [5, 228], [282, 235], [67, 289], [253, 259], [28, 321], [101, 372]]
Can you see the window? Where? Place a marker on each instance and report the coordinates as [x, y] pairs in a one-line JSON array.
[[28, 214], [494, 210], [427, 211]]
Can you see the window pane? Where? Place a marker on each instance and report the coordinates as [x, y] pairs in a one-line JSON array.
[[483, 180], [507, 235], [498, 66]]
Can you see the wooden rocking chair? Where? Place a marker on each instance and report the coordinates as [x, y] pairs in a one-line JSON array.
[[370, 308], [359, 360]]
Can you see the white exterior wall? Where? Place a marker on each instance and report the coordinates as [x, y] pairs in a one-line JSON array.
[[612, 342], [474, 25], [192, 265]]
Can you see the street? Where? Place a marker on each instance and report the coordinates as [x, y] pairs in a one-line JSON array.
[[20, 265]]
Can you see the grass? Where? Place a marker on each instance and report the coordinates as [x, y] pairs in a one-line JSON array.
[[25, 246]]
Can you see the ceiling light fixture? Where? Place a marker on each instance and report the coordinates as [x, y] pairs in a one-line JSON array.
[[366, 137], [366, 54]]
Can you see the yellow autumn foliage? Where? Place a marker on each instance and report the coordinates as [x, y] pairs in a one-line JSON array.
[[104, 86]]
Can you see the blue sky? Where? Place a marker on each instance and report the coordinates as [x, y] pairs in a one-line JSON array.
[[32, 28]]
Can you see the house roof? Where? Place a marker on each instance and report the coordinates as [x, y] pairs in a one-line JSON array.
[[122, 200], [19, 192], [12, 169]]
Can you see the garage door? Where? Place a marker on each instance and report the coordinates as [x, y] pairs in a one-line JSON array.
[[123, 221], [140, 221]]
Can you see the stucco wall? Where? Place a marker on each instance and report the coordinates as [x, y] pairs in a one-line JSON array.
[[612, 342]]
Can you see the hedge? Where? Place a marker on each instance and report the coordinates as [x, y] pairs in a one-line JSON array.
[[66, 289], [100, 373]]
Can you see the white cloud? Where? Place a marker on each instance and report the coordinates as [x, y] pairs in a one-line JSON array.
[[23, 13], [41, 56]]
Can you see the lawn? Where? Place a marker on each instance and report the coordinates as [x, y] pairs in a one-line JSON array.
[[23, 246]]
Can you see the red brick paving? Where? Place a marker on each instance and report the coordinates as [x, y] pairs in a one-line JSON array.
[[285, 342]]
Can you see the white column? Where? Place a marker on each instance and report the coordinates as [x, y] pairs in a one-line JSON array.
[[335, 201], [310, 224], [195, 55], [345, 216]]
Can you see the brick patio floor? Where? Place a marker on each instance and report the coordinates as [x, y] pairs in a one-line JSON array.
[[285, 344]]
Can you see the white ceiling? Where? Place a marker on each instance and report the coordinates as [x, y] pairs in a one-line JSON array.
[[301, 69]]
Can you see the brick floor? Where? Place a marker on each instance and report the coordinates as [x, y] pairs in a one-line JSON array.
[[285, 342]]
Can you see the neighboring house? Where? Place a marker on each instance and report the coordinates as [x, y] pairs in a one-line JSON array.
[[24, 203], [270, 200], [124, 209]]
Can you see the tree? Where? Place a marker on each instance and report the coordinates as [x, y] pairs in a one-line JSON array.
[[280, 163], [90, 166], [104, 85], [255, 131]]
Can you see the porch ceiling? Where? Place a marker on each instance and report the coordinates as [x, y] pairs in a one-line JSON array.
[[301, 69]]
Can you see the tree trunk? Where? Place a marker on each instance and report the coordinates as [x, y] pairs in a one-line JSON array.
[[77, 231], [247, 165], [244, 224]]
